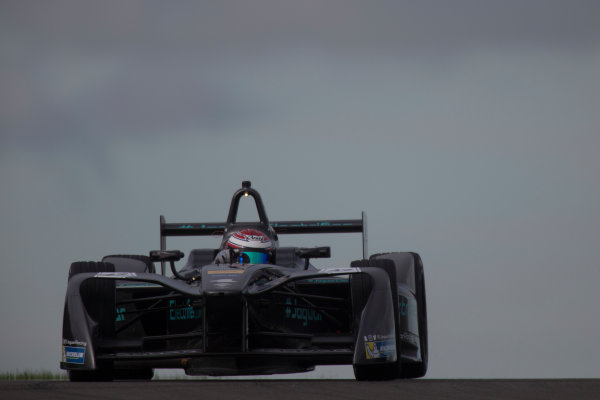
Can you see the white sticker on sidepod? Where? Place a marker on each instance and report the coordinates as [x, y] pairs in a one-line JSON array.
[[120, 275], [73, 355], [380, 349], [79, 343], [338, 271]]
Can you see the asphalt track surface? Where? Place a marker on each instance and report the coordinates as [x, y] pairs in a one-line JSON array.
[[306, 389]]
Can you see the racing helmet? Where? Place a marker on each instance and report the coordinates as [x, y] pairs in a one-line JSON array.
[[250, 246]]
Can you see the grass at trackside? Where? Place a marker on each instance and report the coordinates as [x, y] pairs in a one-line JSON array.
[[41, 375], [29, 375], [46, 375]]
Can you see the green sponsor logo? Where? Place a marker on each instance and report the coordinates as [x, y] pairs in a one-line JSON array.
[[120, 311], [292, 311], [179, 313], [406, 307], [326, 281]]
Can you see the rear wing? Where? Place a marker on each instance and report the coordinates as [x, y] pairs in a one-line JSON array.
[[281, 227]]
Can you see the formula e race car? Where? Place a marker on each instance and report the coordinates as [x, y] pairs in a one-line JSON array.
[[248, 307]]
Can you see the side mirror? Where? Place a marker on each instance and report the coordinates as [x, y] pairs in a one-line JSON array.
[[171, 256], [166, 255], [314, 252]]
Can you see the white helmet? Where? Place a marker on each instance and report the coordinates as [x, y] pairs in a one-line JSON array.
[[253, 245]]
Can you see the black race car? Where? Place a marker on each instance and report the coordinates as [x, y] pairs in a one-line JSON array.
[[231, 311]]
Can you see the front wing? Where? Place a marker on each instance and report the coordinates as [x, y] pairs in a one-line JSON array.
[[274, 325]]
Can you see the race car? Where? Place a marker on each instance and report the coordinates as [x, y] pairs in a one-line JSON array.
[[249, 307]]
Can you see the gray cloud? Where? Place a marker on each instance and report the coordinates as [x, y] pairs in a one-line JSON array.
[[74, 70], [188, 25], [77, 98]]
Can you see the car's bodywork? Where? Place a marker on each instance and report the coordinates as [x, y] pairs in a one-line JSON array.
[[232, 319]]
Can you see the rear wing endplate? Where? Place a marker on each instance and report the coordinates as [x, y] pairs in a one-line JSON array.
[[281, 227]]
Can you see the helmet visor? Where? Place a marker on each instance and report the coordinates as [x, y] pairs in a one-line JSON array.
[[253, 257]]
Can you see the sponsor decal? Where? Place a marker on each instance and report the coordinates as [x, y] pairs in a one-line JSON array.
[[402, 306], [375, 337], [120, 312], [408, 319], [226, 272], [406, 307], [380, 349], [302, 224], [409, 338], [336, 271], [328, 280], [212, 226], [249, 238], [73, 354], [140, 285], [79, 343], [222, 283], [120, 275], [301, 313], [179, 313]]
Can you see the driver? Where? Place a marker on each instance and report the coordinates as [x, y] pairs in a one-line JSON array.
[[246, 246]]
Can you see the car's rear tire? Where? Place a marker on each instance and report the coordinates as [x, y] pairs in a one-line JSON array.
[[130, 263], [80, 267], [98, 375], [140, 374], [382, 372], [98, 295]]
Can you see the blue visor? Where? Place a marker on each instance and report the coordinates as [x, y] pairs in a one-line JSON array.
[[253, 257]]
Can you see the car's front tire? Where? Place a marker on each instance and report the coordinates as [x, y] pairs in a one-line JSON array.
[[407, 268], [98, 296]]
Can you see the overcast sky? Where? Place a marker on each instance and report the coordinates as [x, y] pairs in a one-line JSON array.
[[469, 131]]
